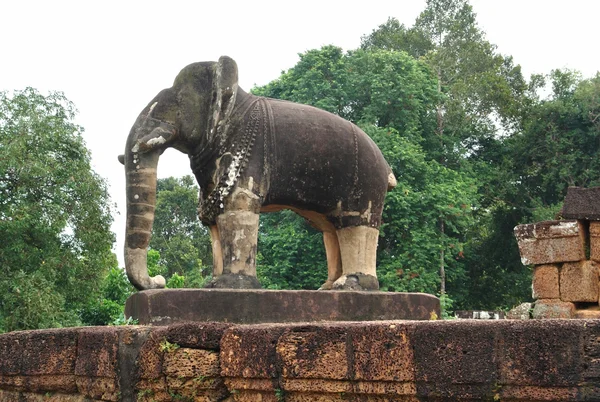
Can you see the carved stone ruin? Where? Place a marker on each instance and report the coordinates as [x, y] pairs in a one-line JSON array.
[[566, 256]]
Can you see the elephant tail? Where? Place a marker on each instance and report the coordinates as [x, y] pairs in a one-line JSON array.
[[392, 182]]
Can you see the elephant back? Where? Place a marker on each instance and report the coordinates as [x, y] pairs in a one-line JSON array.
[[323, 163]]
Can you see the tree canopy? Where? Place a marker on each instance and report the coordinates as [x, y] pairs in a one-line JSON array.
[[55, 214]]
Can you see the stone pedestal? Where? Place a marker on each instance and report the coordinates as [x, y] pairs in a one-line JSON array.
[[253, 306]]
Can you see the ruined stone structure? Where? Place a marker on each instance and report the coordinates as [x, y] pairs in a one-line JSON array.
[[566, 256], [495, 360]]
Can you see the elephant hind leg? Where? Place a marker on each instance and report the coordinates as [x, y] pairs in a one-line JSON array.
[[358, 249], [334, 259]]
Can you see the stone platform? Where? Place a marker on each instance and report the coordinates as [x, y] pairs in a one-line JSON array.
[[167, 306], [434, 361]]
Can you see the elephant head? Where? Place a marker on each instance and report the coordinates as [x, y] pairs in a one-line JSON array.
[[189, 117]]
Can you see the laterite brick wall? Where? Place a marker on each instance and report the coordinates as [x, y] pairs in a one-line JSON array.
[[508, 360]]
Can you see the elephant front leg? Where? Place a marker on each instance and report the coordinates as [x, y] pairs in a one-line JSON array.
[[237, 234], [217, 253]]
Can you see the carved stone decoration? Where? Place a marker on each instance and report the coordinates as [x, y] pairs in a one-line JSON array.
[[252, 154]]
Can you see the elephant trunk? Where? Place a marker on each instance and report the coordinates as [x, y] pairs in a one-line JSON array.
[[140, 168]]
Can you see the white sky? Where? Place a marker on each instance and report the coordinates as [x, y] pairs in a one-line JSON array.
[[111, 57]]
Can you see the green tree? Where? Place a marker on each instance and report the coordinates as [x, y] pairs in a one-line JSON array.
[[291, 254], [182, 243], [109, 305], [55, 214]]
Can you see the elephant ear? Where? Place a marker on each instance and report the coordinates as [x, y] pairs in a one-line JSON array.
[[225, 91]]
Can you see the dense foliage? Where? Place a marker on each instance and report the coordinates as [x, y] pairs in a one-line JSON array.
[[180, 245], [55, 214]]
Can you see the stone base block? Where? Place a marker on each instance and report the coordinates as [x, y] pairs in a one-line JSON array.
[[579, 282], [251, 306], [545, 282], [582, 203], [588, 314], [553, 308], [551, 242]]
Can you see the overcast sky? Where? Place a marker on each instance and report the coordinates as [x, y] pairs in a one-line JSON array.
[[111, 57]]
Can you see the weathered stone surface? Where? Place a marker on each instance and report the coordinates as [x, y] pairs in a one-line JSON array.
[[11, 350], [199, 335], [553, 308], [545, 282], [457, 352], [191, 363], [588, 314], [520, 312], [595, 241], [525, 356], [382, 352], [251, 351], [551, 242], [49, 352], [9, 396], [579, 282], [582, 203], [533, 360], [97, 352], [166, 306], [314, 352], [106, 389], [39, 383]]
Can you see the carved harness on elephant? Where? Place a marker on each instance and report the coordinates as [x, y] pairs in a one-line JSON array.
[[239, 144]]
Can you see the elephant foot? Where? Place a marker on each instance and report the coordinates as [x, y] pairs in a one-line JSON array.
[[234, 281], [356, 281]]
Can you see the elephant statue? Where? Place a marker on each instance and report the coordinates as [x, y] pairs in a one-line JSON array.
[[252, 154]]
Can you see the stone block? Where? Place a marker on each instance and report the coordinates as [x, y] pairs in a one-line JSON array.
[[382, 352], [551, 242], [49, 352], [582, 203], [151, 355], [250, 351], [191, 363], [11, 350], [198, 335], [50, 383], [545, 282], [315, 352], [579, 282], [454, 352], [97, 352], [588, 314], [553, 308], [252, 306], [540, 353], [595, 241], [106, 389]]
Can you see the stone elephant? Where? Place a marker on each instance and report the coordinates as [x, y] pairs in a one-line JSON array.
[[252, 154]]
